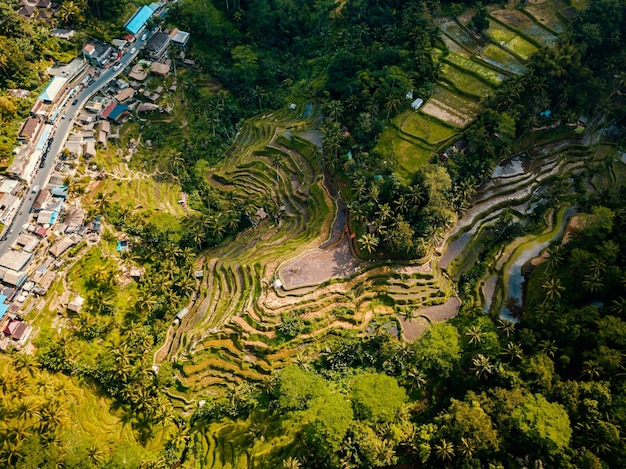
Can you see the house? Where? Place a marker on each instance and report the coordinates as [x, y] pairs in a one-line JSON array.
[[124, 95], [179, 38], [9, 186], [11, 277], [74, 219], [59, 191], [138, 72], [89, 148], [93, 106], [116, 112], [42, 199], [30, 127], [98, 53], [160, 69], [63, 33], [62, 245], [417, 103], [52, 90], [102, 138], [47, 217], [156, 47], [16, 330], [76, 305], [27, 12], [119, 43], [15, 260]]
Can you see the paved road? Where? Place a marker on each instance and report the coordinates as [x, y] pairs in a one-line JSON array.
[[61, 130]]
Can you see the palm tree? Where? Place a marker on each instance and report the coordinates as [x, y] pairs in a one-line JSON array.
[[102, 201], [475, 334], [416, 379], [513, 351], [369, 242], [548, 347], [591, 369], [334, 109], [259, 93], [291, 463], [618, 306], [592, 283], [96, 453], [444, 450], [482, 366], [26, 362], [552, 288]]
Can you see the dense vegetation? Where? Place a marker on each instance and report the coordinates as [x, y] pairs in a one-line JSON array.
[[474, 392]]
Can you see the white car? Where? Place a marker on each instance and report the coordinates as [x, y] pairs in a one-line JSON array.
[[133, 50], [143, 38], [117, 66]]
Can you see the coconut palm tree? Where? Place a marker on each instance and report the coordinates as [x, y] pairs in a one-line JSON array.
[[482, 366], [444, 450], [552, 288], [513, 351], [334, 109], [475, 334], [618, 306], [291, 463], [369, 242]]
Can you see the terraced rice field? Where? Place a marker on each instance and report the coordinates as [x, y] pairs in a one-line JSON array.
[[546, 13], [459, 35], [500, 58], [232, 333], [483, 72], [464, 82], [525, 25], [429, 130]]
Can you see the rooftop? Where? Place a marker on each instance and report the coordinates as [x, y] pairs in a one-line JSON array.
[[139, 19], [15, 260]]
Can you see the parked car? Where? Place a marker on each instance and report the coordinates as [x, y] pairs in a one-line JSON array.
[[74, 102], [35, 189]]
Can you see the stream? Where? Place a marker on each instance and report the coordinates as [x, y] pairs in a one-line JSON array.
[[515, 283]]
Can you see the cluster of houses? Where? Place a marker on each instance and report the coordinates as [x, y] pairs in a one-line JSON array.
[[29, 266], [40, 9]]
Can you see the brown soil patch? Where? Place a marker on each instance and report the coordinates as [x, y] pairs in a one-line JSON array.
[[318, 266]]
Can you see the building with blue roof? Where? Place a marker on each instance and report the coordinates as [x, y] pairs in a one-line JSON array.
[[43, 139], [3, 306], [138, 21]]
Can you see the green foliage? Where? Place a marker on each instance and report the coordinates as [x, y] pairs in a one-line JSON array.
[[438, 353], [331, 417], [542, 423], [377, 397], [297, 388]]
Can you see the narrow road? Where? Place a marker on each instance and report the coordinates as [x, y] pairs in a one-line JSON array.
[[62, 127]]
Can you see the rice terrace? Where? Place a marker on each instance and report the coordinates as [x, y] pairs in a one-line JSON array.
[[331, 234]]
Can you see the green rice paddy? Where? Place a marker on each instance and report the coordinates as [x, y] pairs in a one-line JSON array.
[[487, 74], [500, 58], [420, 126]]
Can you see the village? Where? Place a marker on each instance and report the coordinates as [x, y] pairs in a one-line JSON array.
[[80, 111]]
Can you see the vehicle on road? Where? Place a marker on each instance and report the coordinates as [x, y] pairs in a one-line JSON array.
[[74, 102], [117, 66], [133, 50], [63, 116], [143, 38], [35, 189]]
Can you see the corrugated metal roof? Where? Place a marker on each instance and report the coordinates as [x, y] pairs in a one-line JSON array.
[[139, 19], [53, 89]]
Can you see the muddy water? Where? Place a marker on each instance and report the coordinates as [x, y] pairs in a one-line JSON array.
[[515, 284]]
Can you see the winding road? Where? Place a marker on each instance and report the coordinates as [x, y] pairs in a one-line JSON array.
[[62, 127]]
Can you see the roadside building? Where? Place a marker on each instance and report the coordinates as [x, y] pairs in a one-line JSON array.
[[137, 23], [179, 38], [98, 53], [30, 128], [156, 47], [13, 278], [15, 260], [9, 186], [69, 70], [160, 69], [119, 43], [124, 95], [52, 90], [93, 106], [41, 200], [116, 112]]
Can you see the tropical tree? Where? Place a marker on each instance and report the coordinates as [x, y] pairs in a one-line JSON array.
[[369, 242]]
